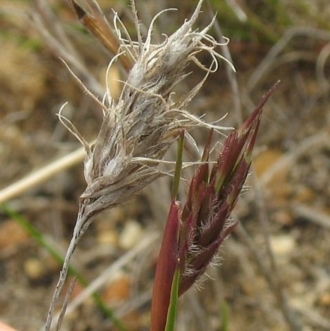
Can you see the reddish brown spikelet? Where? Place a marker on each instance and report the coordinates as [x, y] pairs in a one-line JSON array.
[[192, 237], [212, 196]]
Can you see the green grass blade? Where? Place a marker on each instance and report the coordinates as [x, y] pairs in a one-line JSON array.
[[224, 317], [40, 239], [178, 167], [172, 310]]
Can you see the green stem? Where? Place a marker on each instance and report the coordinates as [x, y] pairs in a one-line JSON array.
[[178, 167], [173, 307]]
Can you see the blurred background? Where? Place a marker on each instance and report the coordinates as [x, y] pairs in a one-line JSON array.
[[275, 271]]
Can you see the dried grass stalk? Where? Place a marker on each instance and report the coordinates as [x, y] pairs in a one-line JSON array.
[[139, 128]]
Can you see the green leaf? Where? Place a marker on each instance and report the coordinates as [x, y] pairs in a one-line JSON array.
[[172, 310], [224, 317]]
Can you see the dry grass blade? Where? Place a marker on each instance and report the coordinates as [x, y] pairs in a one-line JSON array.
[[65, 304], [232, 78], [268, 61], [97, 24], [46, 23], [107, 274], [41, 175], [272, 274]]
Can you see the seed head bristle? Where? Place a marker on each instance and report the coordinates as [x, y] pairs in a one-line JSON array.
[[146, 119]]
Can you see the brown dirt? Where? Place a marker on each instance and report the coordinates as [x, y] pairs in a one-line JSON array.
[[286, 208]]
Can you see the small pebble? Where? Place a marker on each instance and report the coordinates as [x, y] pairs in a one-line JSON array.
[[130, 235], [282, 245], [34, 269], [108, 237]]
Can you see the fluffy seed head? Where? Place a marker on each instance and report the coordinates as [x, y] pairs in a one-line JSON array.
[[139, 128]]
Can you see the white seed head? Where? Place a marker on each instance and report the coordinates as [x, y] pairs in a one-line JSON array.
[[139, 128]]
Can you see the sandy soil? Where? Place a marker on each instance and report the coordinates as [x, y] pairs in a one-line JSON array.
[[274, 273]]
